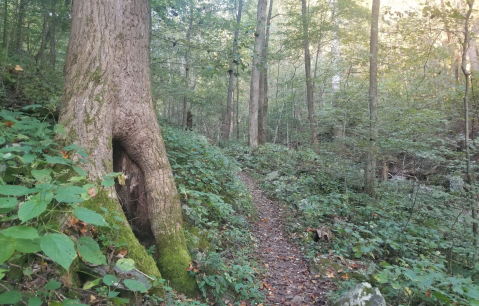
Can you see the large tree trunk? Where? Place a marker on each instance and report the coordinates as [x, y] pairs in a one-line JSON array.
[[231, 83], [107, 106], [263, 96], [307, 68], [370, 171], [255, 74]]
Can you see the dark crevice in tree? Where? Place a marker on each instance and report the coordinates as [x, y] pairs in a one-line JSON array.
[[132, 195]]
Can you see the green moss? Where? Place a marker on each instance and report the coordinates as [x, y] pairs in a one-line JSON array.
[[173, 260], [96, 76], [136, 251], [198, 239]]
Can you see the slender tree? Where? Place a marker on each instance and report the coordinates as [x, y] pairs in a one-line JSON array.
[[307, 68], [107, 109], [231, 84], [467, 75], [255, 74], [370, 171], [263, 96]]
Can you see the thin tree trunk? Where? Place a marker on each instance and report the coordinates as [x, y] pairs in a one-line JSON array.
[[107, 109], [187, 72], [307, 68], [41, 52], [255, 74], [19, 27], [370, 171], [231, 84], [5, 19], [237, 105], [263, 98], [469, 174], [53, 38]]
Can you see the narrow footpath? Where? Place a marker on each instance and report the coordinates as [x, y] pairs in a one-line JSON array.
[[287, 280]]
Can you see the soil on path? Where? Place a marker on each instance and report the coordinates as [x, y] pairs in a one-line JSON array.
[[287, 280]]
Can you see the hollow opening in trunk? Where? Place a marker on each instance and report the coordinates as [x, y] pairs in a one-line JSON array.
[[132, 195]]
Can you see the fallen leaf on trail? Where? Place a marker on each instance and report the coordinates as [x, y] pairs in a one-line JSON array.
[[265, 220], [345, 276], [428, 293], [18, 68], [91, 192], [268, 286], [330, 273], [92, 298], [8, 123]]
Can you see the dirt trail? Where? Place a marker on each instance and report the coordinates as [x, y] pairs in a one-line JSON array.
[[287, 280]]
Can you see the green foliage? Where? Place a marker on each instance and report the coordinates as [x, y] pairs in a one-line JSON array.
[[217, 206], [413, 232], [39, 188]]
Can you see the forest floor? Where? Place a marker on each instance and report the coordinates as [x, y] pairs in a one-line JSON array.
[[287, 280]]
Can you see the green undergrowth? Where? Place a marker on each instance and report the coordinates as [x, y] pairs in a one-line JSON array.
[[217, 209], [415, 239], [63, 240]]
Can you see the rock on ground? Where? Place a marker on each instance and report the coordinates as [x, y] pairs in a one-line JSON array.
[[361, 295]]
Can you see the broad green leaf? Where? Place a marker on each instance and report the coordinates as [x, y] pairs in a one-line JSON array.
[[2, 140], [60, 129], [441, 297], [126, 264], [108, 183], [60, 248], [56, 160], [32, 208], [134, 285], [2, 273], [42, 175], [69, 302], [10, 297], [68, 198], [15, 190], [21, 232], [8, 202], [120, 301], [71, 189], [80, 171], [109, 280], [91, 284], [27, 158], [90, 251], [89, 216], [53, 285], [7, 247], [35, 301], [113, 294], [28, 245]]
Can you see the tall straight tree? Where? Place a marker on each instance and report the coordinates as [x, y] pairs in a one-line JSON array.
[[307, 68], [255, 74], [370, 171], [263, 91], [107, 109], [467, 75], [231, 84]]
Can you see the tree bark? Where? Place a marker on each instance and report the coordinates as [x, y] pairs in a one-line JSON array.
[[231, 84], [370, 171], [40, 57], [263, 96], [53, 38], [19, 27], [5, 19], [187, 72], [469, 174], [255, 74], [107, 99], [307, 68]]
